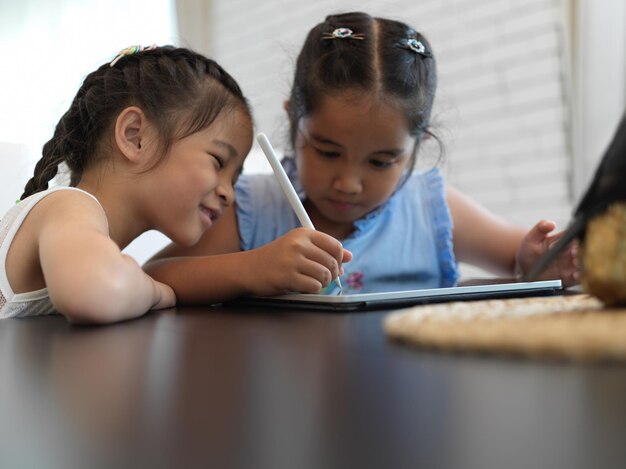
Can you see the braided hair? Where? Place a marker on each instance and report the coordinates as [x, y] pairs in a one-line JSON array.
[[180, 91]]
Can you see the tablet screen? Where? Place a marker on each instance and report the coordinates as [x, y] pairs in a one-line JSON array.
[[334, 301]]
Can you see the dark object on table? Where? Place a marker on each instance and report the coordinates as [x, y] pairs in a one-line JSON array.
[[608, 186]]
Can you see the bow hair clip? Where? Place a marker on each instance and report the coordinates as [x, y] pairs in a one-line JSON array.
[[130, 51], [343, 33], [416, 46]]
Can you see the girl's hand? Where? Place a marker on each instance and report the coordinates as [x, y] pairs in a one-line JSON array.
[[165, 294], [303, 260], [536, 242]]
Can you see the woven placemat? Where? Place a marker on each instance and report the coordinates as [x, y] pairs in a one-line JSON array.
[[576, 327]]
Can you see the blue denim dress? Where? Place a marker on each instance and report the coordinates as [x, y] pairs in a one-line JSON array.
[[405, 244]]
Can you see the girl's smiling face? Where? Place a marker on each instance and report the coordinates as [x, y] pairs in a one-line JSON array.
[[194, 184], [351, 153]]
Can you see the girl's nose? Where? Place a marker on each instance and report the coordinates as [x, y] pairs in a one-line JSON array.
[[226, 193], [347, 182]]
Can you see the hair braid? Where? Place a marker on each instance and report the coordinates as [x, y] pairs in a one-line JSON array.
[[180, 92], [73, 137], [45, 169]]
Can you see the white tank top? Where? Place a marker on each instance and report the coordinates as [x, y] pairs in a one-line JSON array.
[[33, 303]]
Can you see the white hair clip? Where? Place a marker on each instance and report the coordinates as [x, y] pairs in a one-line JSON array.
[[343, 33], [416, 46]]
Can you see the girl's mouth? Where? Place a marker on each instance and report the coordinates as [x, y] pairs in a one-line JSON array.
[[342, 206], [209, 215]]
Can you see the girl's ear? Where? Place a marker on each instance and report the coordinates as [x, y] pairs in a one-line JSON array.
[[131, 129], [286, 105]]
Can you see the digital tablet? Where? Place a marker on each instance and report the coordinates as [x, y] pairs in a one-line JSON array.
[[397, 299]]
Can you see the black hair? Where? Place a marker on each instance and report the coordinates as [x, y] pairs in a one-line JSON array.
[[377, 60], [180, 92]]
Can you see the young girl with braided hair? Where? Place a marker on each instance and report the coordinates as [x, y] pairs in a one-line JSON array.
[[153, 140], [359, 109]]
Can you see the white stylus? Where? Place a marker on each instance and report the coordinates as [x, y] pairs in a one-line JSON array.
[[286, 186]]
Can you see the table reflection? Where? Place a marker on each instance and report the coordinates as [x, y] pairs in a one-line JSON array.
[[266, 388]]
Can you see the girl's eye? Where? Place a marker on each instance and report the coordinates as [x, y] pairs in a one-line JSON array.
[[236, 176], [219, 161], [327, 153], [381, 163]]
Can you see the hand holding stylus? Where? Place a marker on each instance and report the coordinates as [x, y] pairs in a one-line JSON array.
[[286, 186]]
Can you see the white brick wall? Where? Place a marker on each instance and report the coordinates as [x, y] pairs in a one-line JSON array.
[[500, 109]]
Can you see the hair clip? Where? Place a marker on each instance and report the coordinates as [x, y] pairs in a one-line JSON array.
[[416, 46], [343, 33], [130, 51]]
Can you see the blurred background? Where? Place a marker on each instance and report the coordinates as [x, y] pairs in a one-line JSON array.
[[529, 92]]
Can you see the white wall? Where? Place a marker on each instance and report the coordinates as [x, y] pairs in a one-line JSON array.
[[599, 63], [16, 167]]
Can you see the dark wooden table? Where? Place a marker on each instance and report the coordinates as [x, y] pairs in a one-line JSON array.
[[252, 388]]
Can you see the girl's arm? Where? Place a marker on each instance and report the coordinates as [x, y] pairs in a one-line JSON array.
[[88, 279], [214, 270], [483, 239]]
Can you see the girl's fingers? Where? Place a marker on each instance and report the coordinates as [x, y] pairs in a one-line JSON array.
[[347, 256], [319, 271], [311, 277], [537, 233], [316, 259], [330, 245], [305, 284]]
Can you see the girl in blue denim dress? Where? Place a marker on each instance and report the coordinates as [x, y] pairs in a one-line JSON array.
[[359, 109]]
